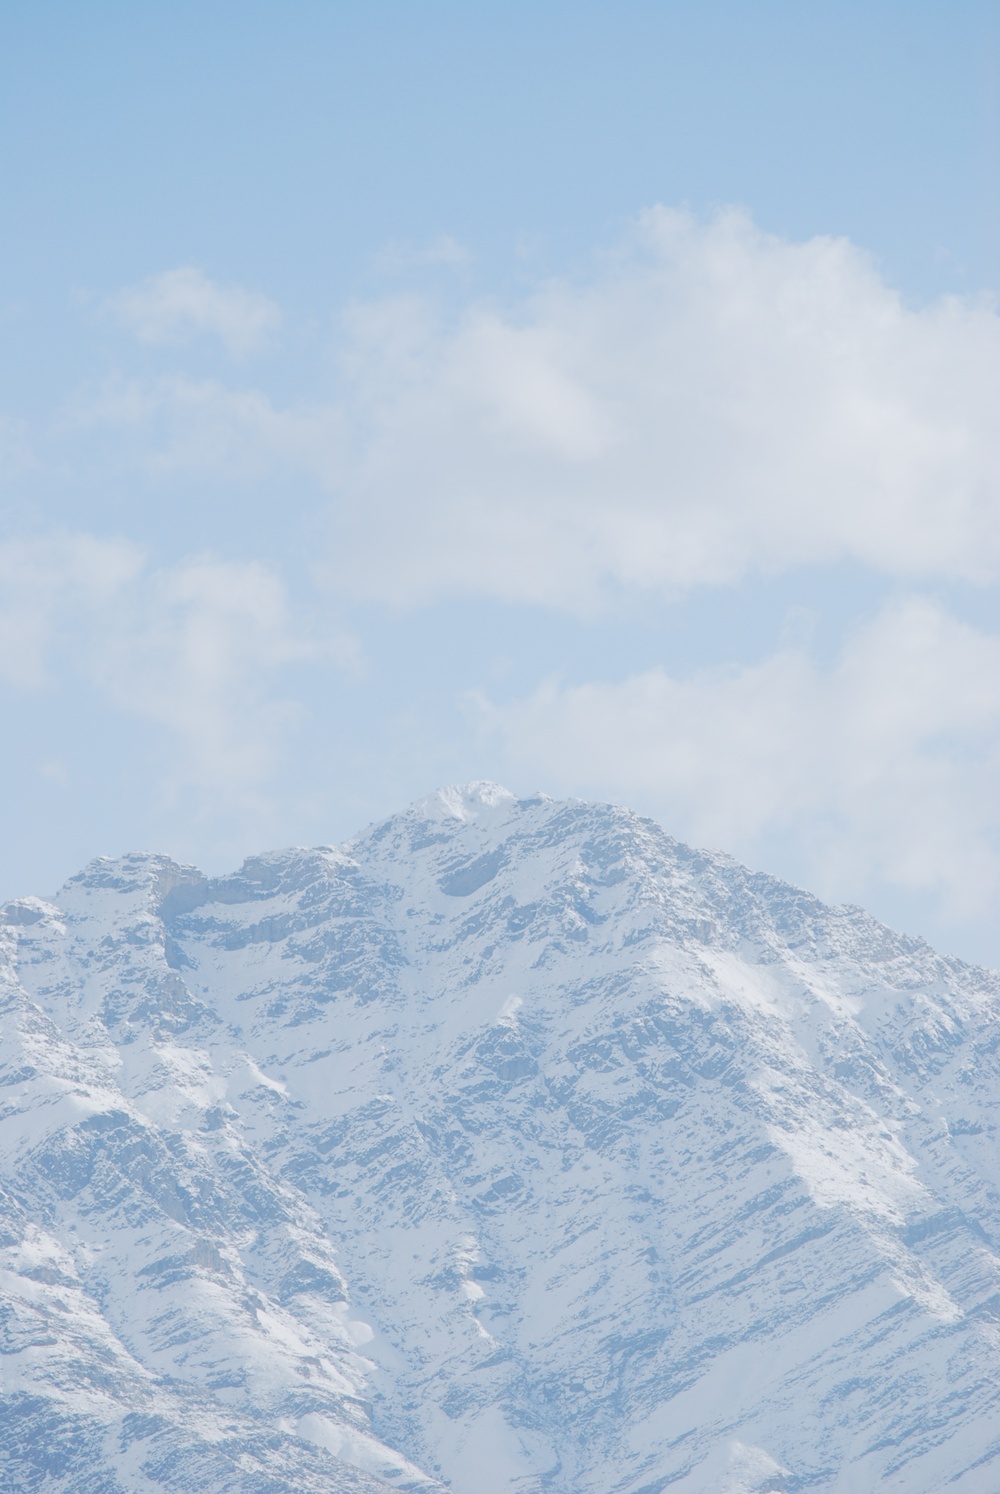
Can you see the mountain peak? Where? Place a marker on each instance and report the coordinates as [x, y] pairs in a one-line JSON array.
[[514, 1145], [464, 801]]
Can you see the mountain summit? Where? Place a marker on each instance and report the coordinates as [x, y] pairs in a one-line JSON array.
[[511, 1148]]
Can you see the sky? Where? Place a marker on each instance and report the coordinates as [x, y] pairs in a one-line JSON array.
[[602, 399]]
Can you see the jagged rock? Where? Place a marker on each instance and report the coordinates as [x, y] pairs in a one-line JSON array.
[[512, 1146]]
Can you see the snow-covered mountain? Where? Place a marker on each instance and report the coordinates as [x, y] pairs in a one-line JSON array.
[[511, 1147]]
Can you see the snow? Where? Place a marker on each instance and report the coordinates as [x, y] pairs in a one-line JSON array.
[[511, 1146]]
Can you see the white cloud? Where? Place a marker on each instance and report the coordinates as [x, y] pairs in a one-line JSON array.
[[51, 586], [883, 769], [197, 655], [197, 648], [711, 401], [715, 401], [176, 424], [180, 304]]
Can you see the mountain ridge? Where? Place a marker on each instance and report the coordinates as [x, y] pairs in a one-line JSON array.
[[511, 1144]]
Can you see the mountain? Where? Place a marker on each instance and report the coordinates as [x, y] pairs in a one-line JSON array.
[[513, 1148]]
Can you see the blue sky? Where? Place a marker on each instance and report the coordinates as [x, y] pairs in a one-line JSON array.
[[597, 398]]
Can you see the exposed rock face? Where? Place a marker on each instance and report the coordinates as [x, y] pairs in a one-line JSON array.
[[512, 1147]]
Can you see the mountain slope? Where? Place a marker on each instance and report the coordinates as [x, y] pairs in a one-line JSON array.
[[512, 1145]]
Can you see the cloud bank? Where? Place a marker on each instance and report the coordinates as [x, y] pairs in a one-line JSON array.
[[703, 404], [885, 767], [709, 401], [715, 401]]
